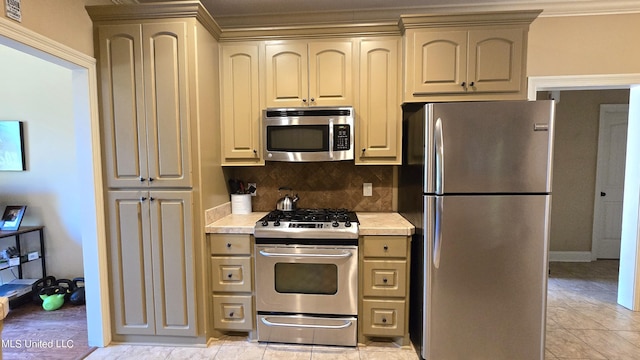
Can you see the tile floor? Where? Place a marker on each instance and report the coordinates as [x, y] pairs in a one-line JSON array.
[[583, 322], [583, 319]]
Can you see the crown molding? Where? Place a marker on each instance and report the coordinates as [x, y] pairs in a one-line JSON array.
[[132, 10], [550, 8], [524, 17], [323, 31]]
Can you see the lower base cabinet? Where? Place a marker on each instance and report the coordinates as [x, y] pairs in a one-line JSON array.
[[151, 263], [383, 318], [384, 285], [233, 312], [231, 282]]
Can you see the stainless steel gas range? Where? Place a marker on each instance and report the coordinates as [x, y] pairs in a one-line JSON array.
[[307, 277]]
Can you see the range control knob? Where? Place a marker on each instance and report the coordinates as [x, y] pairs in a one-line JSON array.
[[347, 223], [265, 222], [276, 223], [335, 224]]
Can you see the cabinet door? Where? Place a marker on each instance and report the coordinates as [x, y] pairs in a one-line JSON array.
[[165, 61], [130, 263], [495, 60], [122, 97], [379, 112], [330, 73], [173, 268], [240, 104], [440, 62], [286, 73]]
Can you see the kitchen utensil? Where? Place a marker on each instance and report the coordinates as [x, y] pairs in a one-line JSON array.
[[287, 203]]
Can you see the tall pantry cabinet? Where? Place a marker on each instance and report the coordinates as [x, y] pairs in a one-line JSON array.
[[157, 72]]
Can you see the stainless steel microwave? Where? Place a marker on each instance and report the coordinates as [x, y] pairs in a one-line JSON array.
[[308, 134]]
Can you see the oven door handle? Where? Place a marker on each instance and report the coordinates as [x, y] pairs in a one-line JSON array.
[[343, 326], [340, 255]]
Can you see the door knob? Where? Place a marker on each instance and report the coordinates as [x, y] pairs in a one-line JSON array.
[[603, 193]]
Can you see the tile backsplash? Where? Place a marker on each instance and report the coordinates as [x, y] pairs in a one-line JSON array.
[[319, 184]]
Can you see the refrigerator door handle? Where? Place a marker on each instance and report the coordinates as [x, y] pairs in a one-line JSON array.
[[437, 237], [439, 150]]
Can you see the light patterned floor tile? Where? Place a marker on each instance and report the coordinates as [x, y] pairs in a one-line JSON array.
[[565, 345], [609, 344]]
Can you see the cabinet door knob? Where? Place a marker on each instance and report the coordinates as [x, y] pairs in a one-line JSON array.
[[142, 198], [151, 179], [463, 84], [229, 245], [142, 179], [231, 314], [384, 280], [385, 248], [471, 84], [229, 276], [151, 198], [313, 99], [384, 320], [304, 100]]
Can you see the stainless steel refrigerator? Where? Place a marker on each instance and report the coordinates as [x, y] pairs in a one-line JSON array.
[[476, 183]]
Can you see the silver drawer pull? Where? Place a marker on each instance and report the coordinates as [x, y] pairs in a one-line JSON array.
[[343, 326], [344, 254]]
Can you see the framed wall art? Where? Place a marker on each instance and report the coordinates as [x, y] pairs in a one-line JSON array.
[[12, 217], [12, 156]]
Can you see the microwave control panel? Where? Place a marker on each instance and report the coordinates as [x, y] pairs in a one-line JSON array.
[[341, 137]]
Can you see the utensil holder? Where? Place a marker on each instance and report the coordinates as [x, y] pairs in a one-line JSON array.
[[241, 203]]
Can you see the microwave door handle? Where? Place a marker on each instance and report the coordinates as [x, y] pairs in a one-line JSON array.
[[343, 254], [343, 326], [331, 138]]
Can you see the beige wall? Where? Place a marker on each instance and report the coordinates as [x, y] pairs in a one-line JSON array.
[[574, 168], [64, 21], [581, 45]]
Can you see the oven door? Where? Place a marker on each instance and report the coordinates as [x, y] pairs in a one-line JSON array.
[[307, 279]]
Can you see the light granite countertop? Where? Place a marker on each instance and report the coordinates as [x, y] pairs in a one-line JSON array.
[[371, 223]]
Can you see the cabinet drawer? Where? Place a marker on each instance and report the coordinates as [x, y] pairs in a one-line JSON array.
[[385, 278], [383, 318], [230, 244], [232, 312], [231, 274], [385, 246]]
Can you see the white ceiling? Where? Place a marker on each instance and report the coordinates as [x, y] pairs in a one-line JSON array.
[[284, 12]]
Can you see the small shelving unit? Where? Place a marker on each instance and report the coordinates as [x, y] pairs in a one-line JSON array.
[[25, 258]]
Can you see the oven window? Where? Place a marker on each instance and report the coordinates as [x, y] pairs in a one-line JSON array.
[[298, 138], [321, 279]]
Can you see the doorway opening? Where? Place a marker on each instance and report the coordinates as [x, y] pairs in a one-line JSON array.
[[628, 286]]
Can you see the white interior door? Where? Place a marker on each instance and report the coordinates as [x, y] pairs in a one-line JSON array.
[[607, 220]]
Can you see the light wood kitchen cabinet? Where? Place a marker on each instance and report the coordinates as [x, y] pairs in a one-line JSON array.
[[316, 73], [158, 75], [378, 113], [150, 262], [231, 282], [144, 104], [384, 279], [479, 56], [240, 106]]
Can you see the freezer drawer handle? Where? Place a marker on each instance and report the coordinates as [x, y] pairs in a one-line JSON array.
[[540, 127], [343, 326], [437, 238]]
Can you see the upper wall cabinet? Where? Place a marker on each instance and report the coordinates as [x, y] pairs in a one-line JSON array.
[[318, 73], [240, 105], [460, 57], [379, 118], [144, 104]]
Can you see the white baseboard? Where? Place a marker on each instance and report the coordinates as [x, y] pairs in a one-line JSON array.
[[570, 256]]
